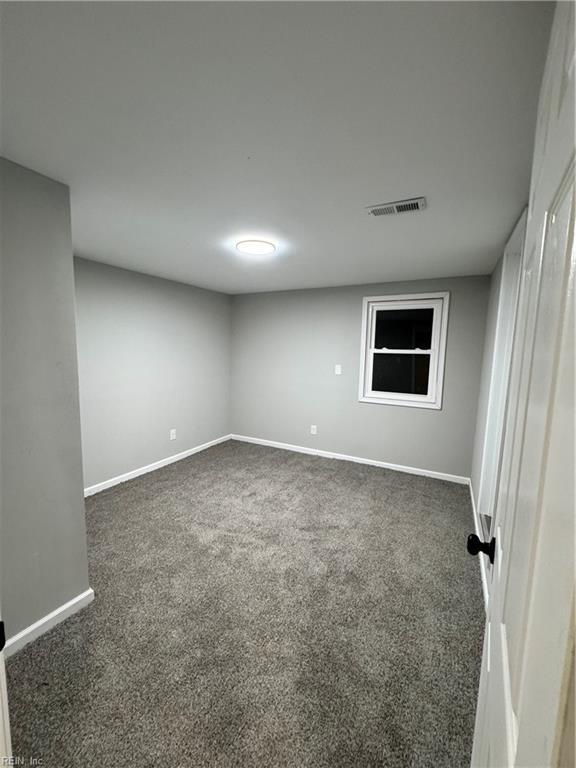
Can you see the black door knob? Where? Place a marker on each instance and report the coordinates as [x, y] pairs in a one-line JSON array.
[[474, 545]]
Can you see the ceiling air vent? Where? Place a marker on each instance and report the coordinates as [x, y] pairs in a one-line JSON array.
[[398, 206]]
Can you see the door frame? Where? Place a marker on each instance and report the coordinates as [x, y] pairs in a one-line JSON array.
[[5, 740]]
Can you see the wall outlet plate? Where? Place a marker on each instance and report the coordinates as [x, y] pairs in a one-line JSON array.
[[172, 434], [338, 369], [313, 429]]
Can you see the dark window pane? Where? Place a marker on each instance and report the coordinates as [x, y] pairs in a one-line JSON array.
[[401, 373], [404, 328]]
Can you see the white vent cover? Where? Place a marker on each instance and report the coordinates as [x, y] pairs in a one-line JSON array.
[[398, 206]]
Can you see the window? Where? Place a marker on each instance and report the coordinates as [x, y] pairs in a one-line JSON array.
[[403, 347]]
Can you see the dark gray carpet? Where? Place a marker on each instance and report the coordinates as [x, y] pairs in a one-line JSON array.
[[256, 607]]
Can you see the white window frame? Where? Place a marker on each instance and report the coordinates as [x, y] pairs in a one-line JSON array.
[[439, 302]]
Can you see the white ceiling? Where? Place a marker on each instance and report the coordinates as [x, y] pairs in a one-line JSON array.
[[180, 126]]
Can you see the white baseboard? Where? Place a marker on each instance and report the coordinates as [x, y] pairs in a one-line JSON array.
[[91, 490], [481, 560], [357, 459], [25, 636]]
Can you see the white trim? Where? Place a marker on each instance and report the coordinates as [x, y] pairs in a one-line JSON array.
[[357, 459], [440, 303], [481, 560], [25, 636], [408, 296], [5, 738], [91, 490], [397, 400]]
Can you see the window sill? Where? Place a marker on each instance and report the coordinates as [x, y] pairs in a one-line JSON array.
[[397, 401]]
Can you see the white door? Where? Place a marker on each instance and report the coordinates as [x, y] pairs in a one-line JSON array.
[[499, 377], [528, 639]]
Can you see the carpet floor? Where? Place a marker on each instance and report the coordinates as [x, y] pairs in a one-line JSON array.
[[261, 608]]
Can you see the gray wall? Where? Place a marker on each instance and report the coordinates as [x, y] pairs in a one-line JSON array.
[[153, 355], [43, 548], [487, 363], [284, 349]]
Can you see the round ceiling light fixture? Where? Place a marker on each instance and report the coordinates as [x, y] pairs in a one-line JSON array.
[[256, 247]]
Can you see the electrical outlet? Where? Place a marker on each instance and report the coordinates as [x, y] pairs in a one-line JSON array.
[[338, 369], [313, 429], [172, 434]]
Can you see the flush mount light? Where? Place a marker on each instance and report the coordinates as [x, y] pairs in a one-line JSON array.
[[256, 247]]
